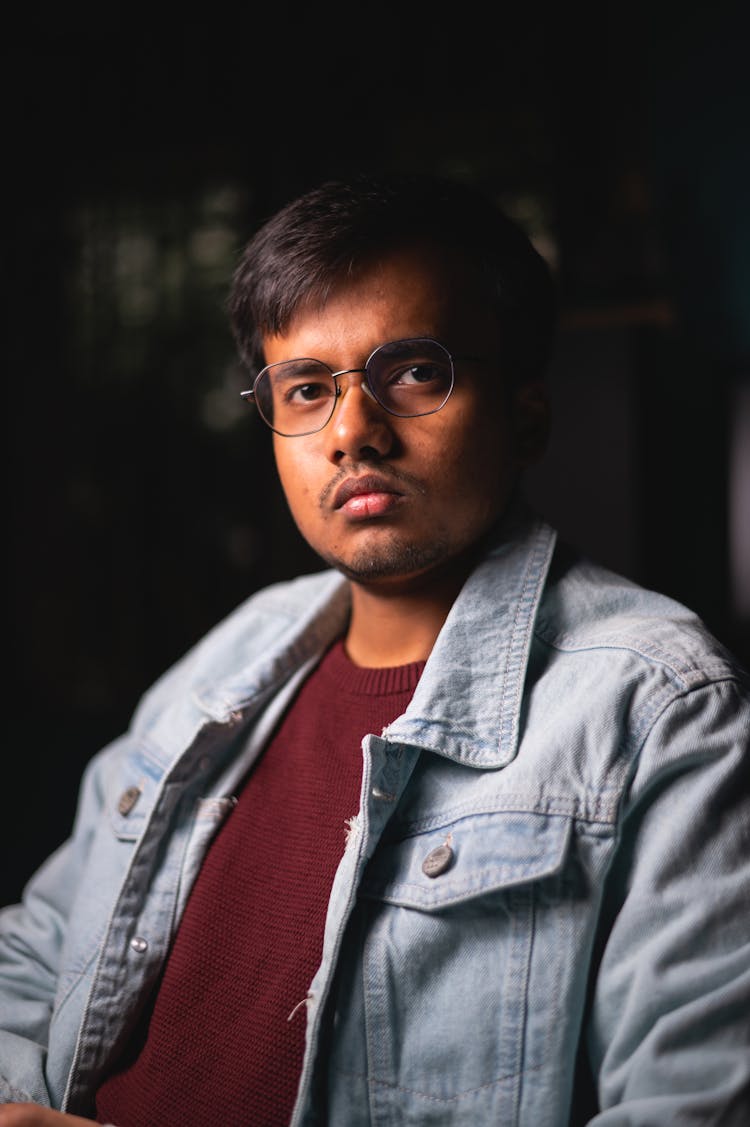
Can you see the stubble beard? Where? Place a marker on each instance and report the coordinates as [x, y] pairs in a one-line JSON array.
[[393, 560]]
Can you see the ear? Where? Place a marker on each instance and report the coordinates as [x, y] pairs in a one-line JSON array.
[[530, 419]]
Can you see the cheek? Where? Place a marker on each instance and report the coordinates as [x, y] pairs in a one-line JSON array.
[[296, 480], [475, 451], [480, 473]]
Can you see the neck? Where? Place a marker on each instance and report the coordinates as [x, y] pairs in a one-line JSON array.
[[395, 626]]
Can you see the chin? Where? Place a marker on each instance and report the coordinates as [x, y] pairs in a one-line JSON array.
[[395, 561]]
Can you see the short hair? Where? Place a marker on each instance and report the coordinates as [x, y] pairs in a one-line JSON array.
[[299, 255]]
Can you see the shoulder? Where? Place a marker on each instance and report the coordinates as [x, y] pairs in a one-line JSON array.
[[629, 686], [586, 607], [265, 628]]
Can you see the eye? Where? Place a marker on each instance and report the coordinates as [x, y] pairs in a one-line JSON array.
[[299, 395], [413, 374], [297, 384]]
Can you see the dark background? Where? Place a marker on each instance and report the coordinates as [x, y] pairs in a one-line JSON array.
[[143, 147]]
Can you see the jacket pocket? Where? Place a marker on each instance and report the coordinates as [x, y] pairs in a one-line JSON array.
[[134, 795], [471, 858], [459, 931]]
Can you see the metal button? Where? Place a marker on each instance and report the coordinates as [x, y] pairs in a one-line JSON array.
[[139, 944], [437, 861], [128, 799], [383, 795]]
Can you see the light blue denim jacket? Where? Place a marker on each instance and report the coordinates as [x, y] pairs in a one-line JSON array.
[[579, 744]]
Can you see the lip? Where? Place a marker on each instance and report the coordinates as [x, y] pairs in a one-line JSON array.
[[361, 486]]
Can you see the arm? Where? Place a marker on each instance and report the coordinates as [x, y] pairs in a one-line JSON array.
[[669, 1032], [32, 943]]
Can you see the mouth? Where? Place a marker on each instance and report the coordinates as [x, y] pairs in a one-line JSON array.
[[367, 496]]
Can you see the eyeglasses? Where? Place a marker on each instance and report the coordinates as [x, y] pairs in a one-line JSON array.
[[406, 377]]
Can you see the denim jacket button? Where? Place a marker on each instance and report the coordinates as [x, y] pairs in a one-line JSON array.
[[139, 944], [437, 861], [128, 799]]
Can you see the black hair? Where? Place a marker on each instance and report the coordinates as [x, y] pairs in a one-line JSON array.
[[330, 232]]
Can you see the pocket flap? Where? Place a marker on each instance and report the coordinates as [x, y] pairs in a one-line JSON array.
[[134, 795], [488, 853]]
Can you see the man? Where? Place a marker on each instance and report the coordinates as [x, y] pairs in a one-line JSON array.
[[452, 832]]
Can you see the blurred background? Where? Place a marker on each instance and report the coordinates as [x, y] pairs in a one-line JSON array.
[[142, 148]]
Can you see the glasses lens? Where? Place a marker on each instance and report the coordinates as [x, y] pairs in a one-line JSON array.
[[411, 377], [295, 397]]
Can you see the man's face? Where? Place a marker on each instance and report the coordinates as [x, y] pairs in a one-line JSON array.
[[393, 502]]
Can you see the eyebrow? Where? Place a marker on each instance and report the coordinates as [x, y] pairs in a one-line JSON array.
[[297, 367]]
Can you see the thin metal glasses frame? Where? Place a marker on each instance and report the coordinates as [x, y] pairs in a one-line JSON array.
[[250, 395]]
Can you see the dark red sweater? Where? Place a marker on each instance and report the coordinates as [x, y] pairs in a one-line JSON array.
[[216, 1046]]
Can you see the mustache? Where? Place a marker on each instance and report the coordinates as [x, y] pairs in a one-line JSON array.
[[390, 475]]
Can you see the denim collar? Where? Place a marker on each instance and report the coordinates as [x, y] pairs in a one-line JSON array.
[[481, 653]]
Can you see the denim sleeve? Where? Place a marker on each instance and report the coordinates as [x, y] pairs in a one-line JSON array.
[[669, 1034], [32, 938]]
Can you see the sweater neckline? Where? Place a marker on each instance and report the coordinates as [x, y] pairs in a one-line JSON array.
[[345, 676]]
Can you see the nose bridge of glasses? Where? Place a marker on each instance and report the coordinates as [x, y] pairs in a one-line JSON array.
[[363, 383]]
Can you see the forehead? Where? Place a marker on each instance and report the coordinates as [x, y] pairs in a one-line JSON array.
[[417, 291]]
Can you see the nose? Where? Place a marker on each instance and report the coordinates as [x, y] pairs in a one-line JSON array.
[[359, 427]]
